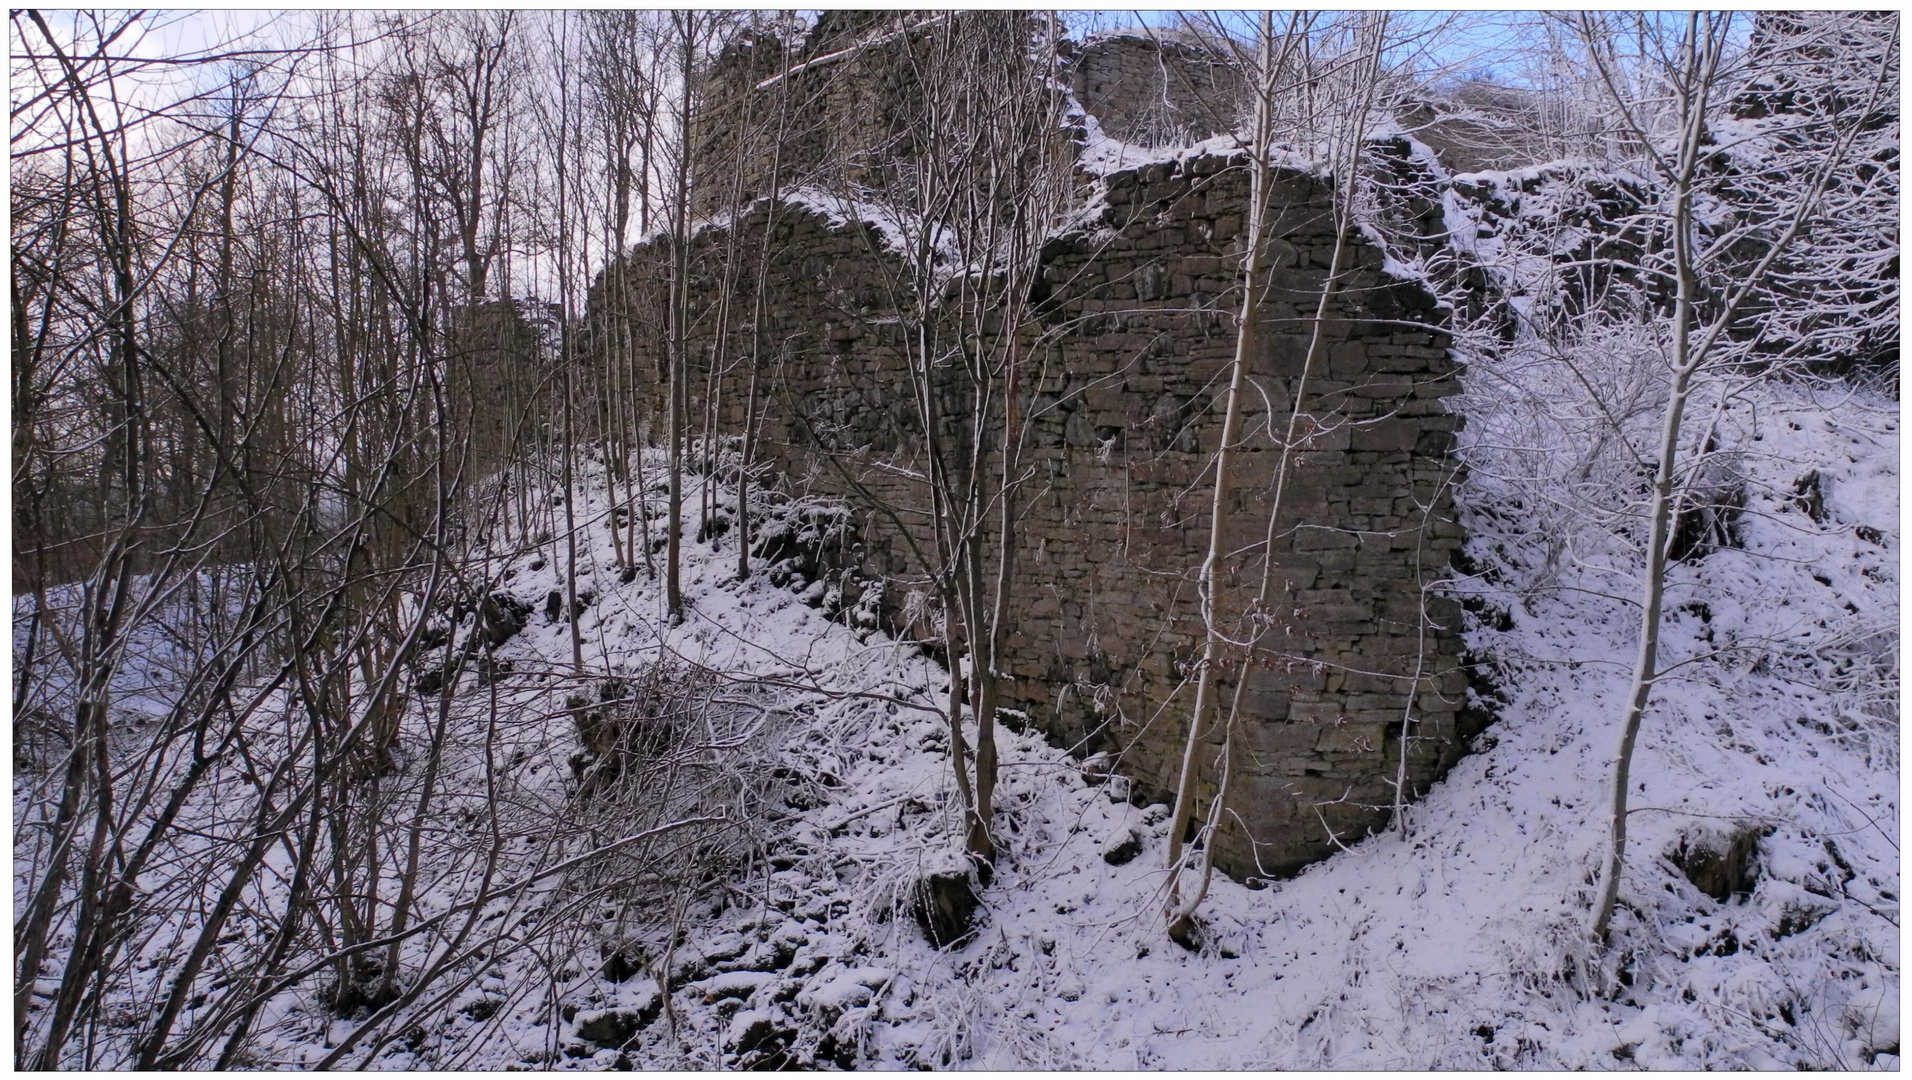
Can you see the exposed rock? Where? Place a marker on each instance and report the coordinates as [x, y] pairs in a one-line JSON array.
[[758, 1040], [1796, 916], [1708, 518], [688, 970], [620, 964], [944, 904], [615, 1028], [1721, 866], [429, 682], [1809, 494], [500, 618], [842, 1052], [1156, 87], [1123, 849], [761, 956]]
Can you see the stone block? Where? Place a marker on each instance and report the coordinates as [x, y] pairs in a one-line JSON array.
[[1315, 712], [1386, 435], [1324, 539], [1351, 738]]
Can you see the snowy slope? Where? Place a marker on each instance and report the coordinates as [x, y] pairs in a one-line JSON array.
[[1457, 947]]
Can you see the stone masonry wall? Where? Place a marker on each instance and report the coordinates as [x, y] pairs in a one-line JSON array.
[[847, 104], [1125, 396], [1153, 89], [848, 120]]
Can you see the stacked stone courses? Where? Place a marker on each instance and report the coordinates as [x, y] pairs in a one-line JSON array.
[[1127, 363], [1153, 89]]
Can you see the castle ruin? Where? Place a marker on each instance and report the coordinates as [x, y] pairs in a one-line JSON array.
[[1127, 352]]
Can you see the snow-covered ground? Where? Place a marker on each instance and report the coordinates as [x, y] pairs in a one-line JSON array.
[[1459, 946]]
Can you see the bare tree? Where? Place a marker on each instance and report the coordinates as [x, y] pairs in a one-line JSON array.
[[978, 181], [273, 285], [1285, 66], [1667, 97]]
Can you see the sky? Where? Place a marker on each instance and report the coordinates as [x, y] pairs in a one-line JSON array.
[[145, 82]]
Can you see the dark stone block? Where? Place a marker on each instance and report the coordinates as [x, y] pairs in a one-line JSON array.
[[944, 904], [616, 1028], [1721, 866], [1123, 849], [500, 618]]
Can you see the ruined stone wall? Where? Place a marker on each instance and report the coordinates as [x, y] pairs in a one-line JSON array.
[[846, 106], [1127, 368], [1154, 89], [1365, 523]]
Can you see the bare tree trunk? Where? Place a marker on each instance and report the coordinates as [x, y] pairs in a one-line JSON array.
[[1694, 75], [1180, 907], [567, 360], [679, 317], [758, 314]]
